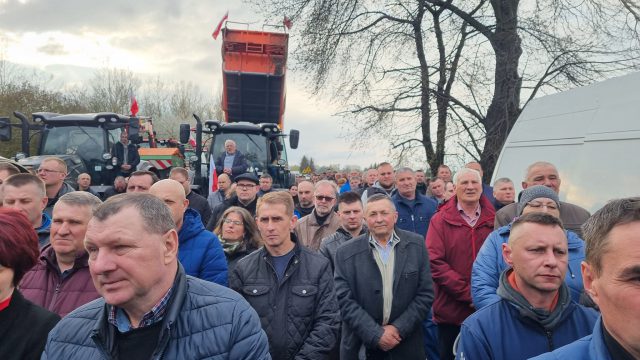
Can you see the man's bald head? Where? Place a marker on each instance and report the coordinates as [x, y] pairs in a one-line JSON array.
[[173, 195]]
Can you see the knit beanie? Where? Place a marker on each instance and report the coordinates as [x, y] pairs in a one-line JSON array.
[[535, 192]]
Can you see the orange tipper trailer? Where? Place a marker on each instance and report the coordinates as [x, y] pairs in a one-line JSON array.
[[254, 69]]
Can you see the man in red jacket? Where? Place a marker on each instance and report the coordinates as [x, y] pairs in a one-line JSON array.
[[456, 233], [61, 281]]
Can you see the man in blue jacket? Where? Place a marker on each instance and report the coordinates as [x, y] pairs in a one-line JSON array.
[[611, 278], [535, 312], [150, 309], [489, 263], [414, 213], [200, 251]]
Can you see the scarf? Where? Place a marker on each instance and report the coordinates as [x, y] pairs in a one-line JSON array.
[[547, 319]]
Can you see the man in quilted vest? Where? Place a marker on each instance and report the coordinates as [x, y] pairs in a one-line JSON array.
[[61, 281]]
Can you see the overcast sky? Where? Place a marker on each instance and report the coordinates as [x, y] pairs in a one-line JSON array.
[[70, 39]]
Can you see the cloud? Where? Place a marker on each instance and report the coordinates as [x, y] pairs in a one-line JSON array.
[[169, 39], [53, 48]]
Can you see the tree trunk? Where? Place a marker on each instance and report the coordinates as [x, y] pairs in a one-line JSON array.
[[505, 105]]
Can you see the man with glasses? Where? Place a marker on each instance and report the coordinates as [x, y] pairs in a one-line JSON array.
[[322, 221], [53, 171], [245, 197]]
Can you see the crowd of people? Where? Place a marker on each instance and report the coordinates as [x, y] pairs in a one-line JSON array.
[[382, 264]]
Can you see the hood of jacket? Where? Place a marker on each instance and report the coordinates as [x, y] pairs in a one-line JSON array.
[[46, 224], [191, 226], [389, 192]]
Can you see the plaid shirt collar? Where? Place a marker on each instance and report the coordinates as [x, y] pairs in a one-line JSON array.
[[118, 318]]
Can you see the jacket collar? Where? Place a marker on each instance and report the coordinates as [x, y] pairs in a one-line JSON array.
[[49, 256], [450, 212], [103, 333]]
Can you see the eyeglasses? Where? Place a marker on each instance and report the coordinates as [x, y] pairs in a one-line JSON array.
[[324, 198], [47, 171], [234, 222], [538, 205], [245, 186]]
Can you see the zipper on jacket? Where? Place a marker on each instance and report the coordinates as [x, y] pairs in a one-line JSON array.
[[549, 339]]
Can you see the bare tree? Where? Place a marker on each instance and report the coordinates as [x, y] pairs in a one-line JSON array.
[[451, 76], [111, 89]]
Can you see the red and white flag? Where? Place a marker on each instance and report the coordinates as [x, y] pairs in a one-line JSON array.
[[216, 32], [213, 175], [287, 22], [134, 106]]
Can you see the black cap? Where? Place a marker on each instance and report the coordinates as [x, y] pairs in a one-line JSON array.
[[248, 177]]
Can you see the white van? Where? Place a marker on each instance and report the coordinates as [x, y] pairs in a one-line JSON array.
[[591, 134]]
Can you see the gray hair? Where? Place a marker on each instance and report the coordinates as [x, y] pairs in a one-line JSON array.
[[333, 185], [155, 215], [502, 181], [537, 163], [597, 228], [405, 169], [464, 171], [81, 198], [380, 197]]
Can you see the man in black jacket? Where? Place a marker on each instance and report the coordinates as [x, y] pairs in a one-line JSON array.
[[384, 287], [289, 286], [246, 197], [351, 225], [126, 155]]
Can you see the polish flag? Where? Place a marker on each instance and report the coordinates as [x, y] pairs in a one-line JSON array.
[[216, 32], [287, 22], [134, 106], [213, 176]]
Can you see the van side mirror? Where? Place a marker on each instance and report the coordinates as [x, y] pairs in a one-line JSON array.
[[5, 129], [294, 138], [185, 133]]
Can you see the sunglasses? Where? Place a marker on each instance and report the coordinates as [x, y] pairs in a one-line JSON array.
[[324, 198]]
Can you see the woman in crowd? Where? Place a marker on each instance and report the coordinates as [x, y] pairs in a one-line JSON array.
[[293, 190], [238, 234], [23, 326]]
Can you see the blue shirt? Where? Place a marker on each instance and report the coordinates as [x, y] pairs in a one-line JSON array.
[[280, 264], [384, 251], [228, 160]]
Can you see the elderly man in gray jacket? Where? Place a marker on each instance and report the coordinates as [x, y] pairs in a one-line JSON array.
[[384, 288]]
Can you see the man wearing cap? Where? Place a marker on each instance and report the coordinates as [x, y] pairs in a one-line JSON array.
[[535, 312], [489, 263], [544, 173], [245, 197]]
